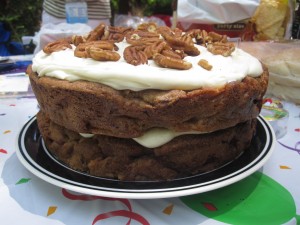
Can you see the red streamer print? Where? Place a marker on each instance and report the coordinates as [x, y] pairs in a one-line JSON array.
[[209, 206], [3, 151], [125, 213], [91, 197], [128, 214]]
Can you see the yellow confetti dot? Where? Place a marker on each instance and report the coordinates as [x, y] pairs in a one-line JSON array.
[[285, 168], [51, 210], [169, 209], [7, 131]]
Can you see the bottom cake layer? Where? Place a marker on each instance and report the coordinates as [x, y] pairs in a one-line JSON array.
[[124, 159]]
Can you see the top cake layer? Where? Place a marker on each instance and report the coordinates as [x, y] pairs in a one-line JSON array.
[[141, 79], [122, 75], [90, 107]]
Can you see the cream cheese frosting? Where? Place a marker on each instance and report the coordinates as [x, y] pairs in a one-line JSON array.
[[154, 137], [120, 75]]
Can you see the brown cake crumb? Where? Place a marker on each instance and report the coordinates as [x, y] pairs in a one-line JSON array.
[[124, 159]]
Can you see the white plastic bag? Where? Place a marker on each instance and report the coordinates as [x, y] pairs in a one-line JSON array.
[[215, 11], [134, 21], [51, 32]]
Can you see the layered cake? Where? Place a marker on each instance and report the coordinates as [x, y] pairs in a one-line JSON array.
[[147, 104]]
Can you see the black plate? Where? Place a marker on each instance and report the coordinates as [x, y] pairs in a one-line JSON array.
[[35, 157]]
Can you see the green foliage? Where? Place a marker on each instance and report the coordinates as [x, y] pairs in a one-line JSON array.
[[21, 17], [145, 7]]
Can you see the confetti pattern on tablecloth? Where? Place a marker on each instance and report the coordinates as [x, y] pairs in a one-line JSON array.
[[23, 181], [123, 213], [209, 206], [284, 167], [51, 210], [3, 151], [169, 209], [166, 209]]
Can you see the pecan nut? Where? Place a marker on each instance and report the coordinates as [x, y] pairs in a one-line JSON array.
[[188, 49], [77, 39], [135, 55], [201, 36], [150, 27], [97, 33], [219, 48], [173, 54], [173, 63], [99, 54], [81, 49], [154, 48], [139, 37], [164, 30], [184, 44], [204, 64], [57, 46], [115, 34], [217, 37]]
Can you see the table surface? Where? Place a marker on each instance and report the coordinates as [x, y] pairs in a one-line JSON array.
[[270, 195]]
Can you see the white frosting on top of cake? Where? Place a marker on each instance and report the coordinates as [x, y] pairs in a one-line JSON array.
[[121, 75]]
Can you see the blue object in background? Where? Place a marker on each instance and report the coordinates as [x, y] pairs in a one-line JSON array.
[[14, 67], [4, 40], [8, 47], [16, 48], [76, 11]]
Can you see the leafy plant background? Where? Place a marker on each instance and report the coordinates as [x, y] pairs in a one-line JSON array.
[[142, 7], [21, 18]]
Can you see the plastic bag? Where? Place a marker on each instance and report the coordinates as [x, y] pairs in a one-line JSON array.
[[51, 32], [134, 21], [215, 11], [250, 20]]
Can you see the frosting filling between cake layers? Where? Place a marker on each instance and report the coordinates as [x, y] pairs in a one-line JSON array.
[[154, 137], [121, 75]]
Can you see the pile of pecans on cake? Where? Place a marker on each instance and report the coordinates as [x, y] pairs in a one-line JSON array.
[[165, 46]]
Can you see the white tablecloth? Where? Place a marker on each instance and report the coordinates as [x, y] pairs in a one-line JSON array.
[[27, 199]]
